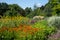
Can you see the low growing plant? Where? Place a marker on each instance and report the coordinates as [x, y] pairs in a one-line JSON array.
[[45, 30]]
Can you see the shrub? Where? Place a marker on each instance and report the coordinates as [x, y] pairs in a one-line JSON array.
[[54, 21], [13, 21]]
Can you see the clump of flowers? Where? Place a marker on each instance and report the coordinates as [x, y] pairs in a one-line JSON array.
[[26, 29], [14, 21]]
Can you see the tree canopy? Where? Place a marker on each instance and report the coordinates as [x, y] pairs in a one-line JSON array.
[[52, 8]]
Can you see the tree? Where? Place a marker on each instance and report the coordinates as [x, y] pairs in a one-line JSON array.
[[27, 11], [35, 12], [15, 10], [52, 8], [3, 8], [56, 8]]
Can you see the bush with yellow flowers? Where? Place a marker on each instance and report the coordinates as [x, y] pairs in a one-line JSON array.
[[13, 21]]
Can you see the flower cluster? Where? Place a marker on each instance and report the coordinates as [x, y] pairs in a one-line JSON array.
[[27, 29]]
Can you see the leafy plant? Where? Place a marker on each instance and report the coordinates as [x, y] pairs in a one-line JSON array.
[[44, 31]]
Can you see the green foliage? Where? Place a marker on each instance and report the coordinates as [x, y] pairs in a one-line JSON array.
[[27, 11], [3, 8], [52, 8], [35, 12], [14, 10], [32, 14], [6, 35], [44, 31], [11, 10], [11, 13]]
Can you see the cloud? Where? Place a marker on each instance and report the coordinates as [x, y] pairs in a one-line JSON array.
[[38, 4]]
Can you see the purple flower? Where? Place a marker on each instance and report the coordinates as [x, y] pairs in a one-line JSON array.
[[33, 21], [55, 36]]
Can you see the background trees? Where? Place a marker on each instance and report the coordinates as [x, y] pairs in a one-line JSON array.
[[15, 10], [11, 10], [3, 8], [52, 8], [27, 11]]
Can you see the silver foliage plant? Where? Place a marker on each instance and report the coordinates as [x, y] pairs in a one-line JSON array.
[[54, 21]]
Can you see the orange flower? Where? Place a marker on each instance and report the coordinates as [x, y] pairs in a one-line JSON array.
[[35, 29], [19, 29], [24, 30], [28, 27], [21, 25], [10, 29], [14, 29], [31, 33], [4, 28]]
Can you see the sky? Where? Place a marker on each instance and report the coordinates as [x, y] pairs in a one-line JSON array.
[[26, 3]]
